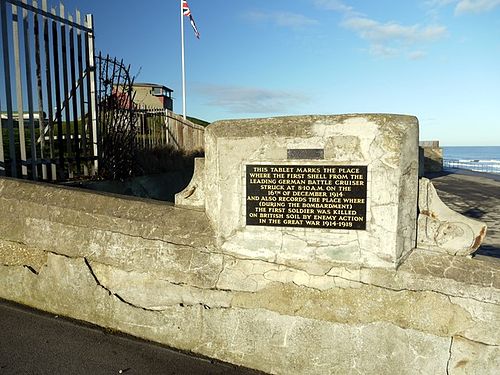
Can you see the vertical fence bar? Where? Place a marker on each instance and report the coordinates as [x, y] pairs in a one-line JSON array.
[[48, 86], [57, 83], [38, 63], [74, 80], [100, 102], [150, 134], [153, 130], [8, 89], [180, 134], [89, 22], [66, 102], [167, 123], [143, 130], [162, 125], [29, 89], [19, 91], [82, 93]]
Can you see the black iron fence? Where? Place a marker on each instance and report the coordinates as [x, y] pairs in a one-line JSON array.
[[66, 113], [48, 123]]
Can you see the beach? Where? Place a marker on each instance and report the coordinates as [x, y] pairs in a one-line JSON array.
[[476, 195]]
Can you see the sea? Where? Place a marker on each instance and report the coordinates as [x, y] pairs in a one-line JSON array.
[[480, 159]]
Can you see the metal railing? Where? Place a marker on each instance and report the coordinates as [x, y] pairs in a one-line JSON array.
[[490, 166], [48, 69]]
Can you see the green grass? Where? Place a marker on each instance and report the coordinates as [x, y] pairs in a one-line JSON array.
[[198, 121]]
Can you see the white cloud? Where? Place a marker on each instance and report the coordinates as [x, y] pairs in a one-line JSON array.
[[376, 31], [282, 19], [335, 5], [239, 99], [465, 6], [391, 39], [416, 55], [439, 3], [387, 39], [381, 50], [476, 6]]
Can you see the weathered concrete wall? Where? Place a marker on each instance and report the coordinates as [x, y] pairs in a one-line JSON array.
[[386, 144], [156, 271]]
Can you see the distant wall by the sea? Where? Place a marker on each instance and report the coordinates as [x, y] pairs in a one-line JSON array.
[[430, 157]]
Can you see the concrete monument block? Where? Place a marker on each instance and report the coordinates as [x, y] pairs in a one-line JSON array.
[[324, 188], [442, 229]]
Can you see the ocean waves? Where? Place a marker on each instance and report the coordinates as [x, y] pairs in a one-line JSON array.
[[474, 158], [477, 165]]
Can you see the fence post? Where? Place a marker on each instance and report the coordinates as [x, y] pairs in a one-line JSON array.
[[8, 90], [82, 92], [29, 89], [38, 64], [89, 22], [48, 78], [167, 123], [19, 92]]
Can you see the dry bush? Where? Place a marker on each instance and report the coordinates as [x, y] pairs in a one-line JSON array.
[[164, 159]]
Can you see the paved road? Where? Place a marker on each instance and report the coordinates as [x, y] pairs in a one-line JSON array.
[[36, 343], [476, 195]]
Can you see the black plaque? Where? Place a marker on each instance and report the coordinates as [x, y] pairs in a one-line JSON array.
[[319, 196], [306, 153]]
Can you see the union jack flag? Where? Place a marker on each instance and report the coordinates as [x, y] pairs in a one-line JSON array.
[[185, 8], [187, 12]]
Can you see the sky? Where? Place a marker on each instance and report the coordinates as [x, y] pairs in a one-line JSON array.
[[436, 59]]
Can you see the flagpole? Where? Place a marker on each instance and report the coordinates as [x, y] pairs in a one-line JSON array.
[[183, 67]]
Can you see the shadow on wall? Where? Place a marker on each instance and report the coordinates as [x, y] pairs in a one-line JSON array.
[[489, 251], [486, 250], [162, 172]]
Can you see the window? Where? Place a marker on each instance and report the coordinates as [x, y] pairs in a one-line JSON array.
[[159, 91]]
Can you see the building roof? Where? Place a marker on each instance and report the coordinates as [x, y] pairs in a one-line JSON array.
[[144, 84]]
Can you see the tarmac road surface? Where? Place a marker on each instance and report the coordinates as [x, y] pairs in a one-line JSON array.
[[37, 343]]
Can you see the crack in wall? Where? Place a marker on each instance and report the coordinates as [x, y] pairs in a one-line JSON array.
[[355, 280], [122, 299], [287, 267], [30, 268], [449, 356], [140, 237], [417, 291], [27, 266], [477, 341], [110, 293]]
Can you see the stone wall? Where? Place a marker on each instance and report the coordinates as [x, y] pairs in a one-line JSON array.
[[431, 157], [156, 271]]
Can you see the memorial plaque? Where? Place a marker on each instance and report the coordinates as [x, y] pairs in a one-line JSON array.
[[309, 196], [306, 153]]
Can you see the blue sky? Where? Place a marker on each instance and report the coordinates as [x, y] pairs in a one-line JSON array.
[[436, 59]]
